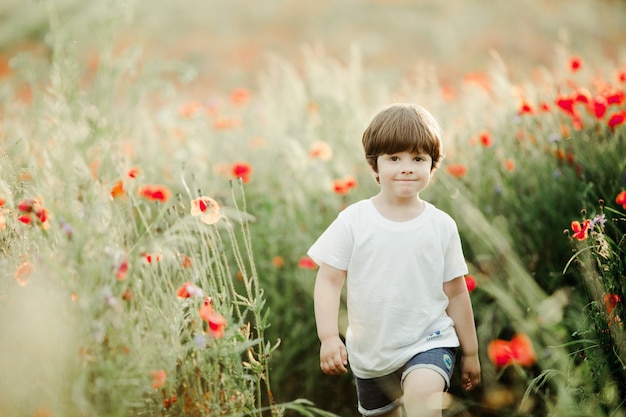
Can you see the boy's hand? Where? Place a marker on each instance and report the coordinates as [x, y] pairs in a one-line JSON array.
[[470, 371], [333, 356]]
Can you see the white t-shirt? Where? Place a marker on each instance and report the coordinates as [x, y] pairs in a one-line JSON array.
[[395, 276]]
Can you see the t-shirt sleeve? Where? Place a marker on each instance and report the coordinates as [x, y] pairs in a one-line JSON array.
[[455, 265], [334, 246]]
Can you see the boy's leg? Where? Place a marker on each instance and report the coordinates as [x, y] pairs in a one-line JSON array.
[[423, 393], [379, 397]]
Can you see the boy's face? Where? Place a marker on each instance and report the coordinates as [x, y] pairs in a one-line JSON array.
[[404, 174]]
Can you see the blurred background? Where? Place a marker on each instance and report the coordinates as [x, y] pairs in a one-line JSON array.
[[228, 41]]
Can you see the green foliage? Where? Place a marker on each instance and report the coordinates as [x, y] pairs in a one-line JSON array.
[[90, 278]]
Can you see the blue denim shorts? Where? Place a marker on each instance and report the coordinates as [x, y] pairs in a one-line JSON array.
[[381, 395]]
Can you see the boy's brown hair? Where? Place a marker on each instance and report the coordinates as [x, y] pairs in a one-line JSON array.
[[402, 127]]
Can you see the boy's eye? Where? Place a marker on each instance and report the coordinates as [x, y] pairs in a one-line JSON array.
[[393, 158]]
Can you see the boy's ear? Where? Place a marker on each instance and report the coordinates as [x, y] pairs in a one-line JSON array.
[[374, 174]]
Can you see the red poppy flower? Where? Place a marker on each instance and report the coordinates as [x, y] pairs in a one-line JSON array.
[[240, 96], [22, 273], [188, 290], [26, 205], [344, 185], [582, 95], [499, 352], [614, 96], [117, 190], [168, 402], [216, 326], [42, 214], [306, 263], [122, 270], [610, 301], [339, 187], [560, 154], [517, 351], [485, 139], [349, 182], [155, 192], [621, 199], [149, 257], [278, 261], [575, 63], [580, 230], [525, 108], [159, 376], [206, 208], [321, 150], [242, 170], [26, 219], [185, 261], [456, 170], [598, 107], [522, 350], [470, 282], [215, 321], [566, 104], [617, 119], [32, 210], [133, 172]]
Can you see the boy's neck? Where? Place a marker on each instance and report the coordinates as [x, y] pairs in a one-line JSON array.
[[399, 210]]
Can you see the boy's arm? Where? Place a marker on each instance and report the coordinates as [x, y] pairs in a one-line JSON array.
[[460, 311], [327, 295]]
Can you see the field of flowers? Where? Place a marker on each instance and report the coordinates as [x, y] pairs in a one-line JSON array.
[[153, 235]]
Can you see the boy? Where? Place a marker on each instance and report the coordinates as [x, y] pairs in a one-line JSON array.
[[408, 305]]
